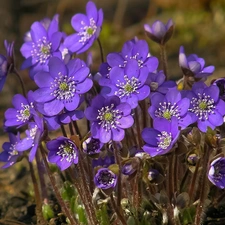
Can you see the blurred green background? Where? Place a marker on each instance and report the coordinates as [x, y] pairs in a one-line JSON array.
[[199, 26]]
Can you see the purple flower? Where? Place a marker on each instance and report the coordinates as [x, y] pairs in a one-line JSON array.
[[66, 117], [92, 146], [6, 62], [220, 83], [22, 112], [62, 86], [33, 137], [206, 107], [128, 169], [157, 83], [44, 43], [161, 140], [216, 172], [105, 179], [193, 65], [10, 154], [159, 32], [128, 83], [63, 152], [87, 27], [169, 106], [134, 50], [109, 118], [103, 161], [152, 175]]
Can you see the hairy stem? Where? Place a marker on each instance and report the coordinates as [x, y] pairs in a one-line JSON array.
[[40, 218], [203, 186], [63, 205], [117, 210], [88, 194], [164, 59], [15, 71], [101, 50]]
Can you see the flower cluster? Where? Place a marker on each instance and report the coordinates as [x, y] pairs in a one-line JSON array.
[[127, 131]]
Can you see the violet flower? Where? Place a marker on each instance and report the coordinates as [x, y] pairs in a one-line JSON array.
[[103, 161], [128, 169], [44, 44], [6, 63], [23, 110], [206, 107], [62, 86], [63, 152], [133, 50], [193, 65], [157, 82], [33, 137], [54, 122], [160, 139], [87, 27], [128, 83], [159, 32], [109, 118], [105, 179], [10, 154], [92, 146], [216, 172], [220, 83], [169, 106]]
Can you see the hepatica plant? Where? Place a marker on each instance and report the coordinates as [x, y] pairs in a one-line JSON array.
[[126, 144]]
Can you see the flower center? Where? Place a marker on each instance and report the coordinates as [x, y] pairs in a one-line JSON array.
[[108, 117], [167, 115], [105, 178], [90, 31], [41, 50], [87, 31], [24, 113], [64, 87], [167, 110], [202, 106], [67, 151], [165, 139], [128, 87]]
